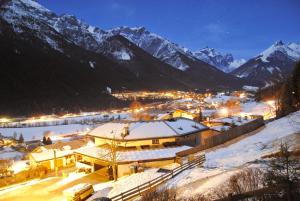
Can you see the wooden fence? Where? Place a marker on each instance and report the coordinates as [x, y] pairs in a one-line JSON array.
[[225, 136], [132, 193]]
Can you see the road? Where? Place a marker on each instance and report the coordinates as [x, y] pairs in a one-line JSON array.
[[48, 190]]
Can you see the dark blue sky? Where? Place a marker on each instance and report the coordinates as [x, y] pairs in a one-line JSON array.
[[241, 27]]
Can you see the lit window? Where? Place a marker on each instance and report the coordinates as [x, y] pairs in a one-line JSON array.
[[155, 141]]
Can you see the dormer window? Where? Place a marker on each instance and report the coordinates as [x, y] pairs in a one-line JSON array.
[[125, 131]]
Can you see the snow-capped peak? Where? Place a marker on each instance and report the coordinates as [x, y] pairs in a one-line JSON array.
[[291, 50], [224, 62], [33, 4], [278, 43], [155, 45]]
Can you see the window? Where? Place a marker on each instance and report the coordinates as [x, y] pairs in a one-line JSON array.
[[155, 141]]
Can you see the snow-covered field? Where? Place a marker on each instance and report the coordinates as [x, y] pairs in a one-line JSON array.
[[37, 133], [9, 153], [220, 163]]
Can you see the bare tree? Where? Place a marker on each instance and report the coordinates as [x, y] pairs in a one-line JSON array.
[[284, 170], [113, 157], [245, 181], [159, 195]]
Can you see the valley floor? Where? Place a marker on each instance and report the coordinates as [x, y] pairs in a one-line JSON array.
[[221, 162]]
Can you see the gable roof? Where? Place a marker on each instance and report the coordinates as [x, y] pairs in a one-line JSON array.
[[149, 129], [133, 155], [60, 145]]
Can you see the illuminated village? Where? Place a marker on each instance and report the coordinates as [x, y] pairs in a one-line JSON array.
[[129, 100], [108, 145]]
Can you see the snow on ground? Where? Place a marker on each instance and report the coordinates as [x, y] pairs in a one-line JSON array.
[[250, 88], [208, 112], [220, 164], [71, 177], [266, 109], [122, 55], [223, 162], [21, 185], [37, 133], [218, 99], [110, 189], [19, 166], [9, 153]]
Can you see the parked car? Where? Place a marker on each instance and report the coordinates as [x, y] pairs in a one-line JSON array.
[[78, 192]]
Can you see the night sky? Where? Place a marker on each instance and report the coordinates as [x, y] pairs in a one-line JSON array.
[[241, 27]]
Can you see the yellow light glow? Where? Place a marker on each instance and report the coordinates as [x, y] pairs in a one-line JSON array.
[[224, 111], [4, 120], [242, 95], [271, 103]]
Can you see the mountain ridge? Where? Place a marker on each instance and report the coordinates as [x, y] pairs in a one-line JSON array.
[[270, 66]]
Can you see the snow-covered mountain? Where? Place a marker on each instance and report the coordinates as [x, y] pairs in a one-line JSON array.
[[155, 45], [224, 62], [271, 65]]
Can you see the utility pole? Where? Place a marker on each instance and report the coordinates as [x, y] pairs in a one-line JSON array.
[[55, 165]]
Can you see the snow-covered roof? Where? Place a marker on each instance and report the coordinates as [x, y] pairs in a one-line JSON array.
[[149, 129], [134, 155], [49, 154], [234, 119]]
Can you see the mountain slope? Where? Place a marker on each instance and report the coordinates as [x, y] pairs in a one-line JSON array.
[[42, 72], [201, 73], [53, 63], [29, 14], [224, 62], [270, 66]]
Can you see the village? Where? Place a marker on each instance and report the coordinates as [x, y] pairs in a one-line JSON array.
[[82, 151]]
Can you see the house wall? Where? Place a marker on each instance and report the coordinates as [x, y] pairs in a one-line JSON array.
[[189, 140], [49, 164], [136, 143], [178, 114], [124, 169], [194, 139]]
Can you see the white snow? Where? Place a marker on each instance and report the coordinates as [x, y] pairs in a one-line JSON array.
[[220, 164], [136, 155], [234, 119], [236, 63], [9, 153], [218, 99], [34, 4], [224, 62], [150, 129], [110, 189], [122, 55], [292, 50], [37, 133], [223, 162], [19, 166], [270, 69], [92, 64], [266, 109], [250, 88], [49, 154], [108, 89]]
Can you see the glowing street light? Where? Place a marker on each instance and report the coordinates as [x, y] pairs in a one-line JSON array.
[[224, 111], [4, 120]]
